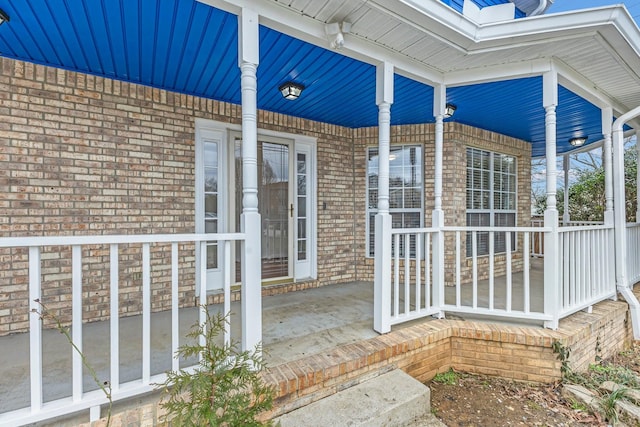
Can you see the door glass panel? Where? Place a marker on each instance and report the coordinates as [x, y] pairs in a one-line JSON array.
[[273, 196], [273, 205], [301, 178], [211, 199]]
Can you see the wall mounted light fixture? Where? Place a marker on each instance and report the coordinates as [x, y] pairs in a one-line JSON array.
[[290, 90], [449, 110], [3, 17], [578, 141]]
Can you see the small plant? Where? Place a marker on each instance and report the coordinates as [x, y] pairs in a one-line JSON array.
[[608, 404], [578, 406], [563, 356], [104, 386], [448, 378], [224, 390]]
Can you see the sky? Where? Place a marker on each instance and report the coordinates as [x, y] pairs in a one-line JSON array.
[[563, 5]]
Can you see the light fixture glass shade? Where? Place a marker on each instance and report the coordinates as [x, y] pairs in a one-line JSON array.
[[578, 141], [449, 109], [290, 90]]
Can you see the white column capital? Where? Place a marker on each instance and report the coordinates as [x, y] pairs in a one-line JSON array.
[[550, 133], [384, 83], [248, 37], [607, 162]]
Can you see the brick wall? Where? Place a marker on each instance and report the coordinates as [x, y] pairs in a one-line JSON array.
[[84, 155], [457, 137]]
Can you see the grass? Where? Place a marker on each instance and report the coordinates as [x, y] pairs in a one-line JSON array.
[[618, 374], [608, 403], [449, 377]]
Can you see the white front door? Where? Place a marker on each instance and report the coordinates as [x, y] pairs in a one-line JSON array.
[[286, 200]]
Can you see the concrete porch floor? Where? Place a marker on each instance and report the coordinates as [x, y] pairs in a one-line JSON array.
[[295, 325]]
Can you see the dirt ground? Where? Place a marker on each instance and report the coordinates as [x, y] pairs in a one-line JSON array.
[[472, 400]]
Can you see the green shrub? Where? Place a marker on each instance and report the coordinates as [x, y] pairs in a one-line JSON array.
[[224, 390]]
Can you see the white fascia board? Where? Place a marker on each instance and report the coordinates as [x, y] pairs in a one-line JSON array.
[[287, 21], [541, 28]]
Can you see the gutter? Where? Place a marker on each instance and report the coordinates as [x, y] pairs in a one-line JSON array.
[[620, 224], [540, 9]]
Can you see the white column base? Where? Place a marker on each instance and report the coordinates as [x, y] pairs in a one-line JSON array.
[[382, 275], [251, 281]]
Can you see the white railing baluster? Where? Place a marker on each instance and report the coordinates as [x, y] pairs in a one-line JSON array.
[[407, 274], [76, 321], [35, 329], [227, 290], [474, 257], [175, 317], [396, 275], [492, 255], [202, 317], [427, 271], [526, 272], [572, 272], [114, 321], [507, 255], [458, 249], [418, 278], [146, 313]]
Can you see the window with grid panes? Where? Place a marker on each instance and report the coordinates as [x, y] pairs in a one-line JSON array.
[[406, 189], [491, 198]]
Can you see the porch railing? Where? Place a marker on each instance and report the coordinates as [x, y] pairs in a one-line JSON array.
[[633, 248], [38, 250], [497, 277], [488, 272], [586, 268], [412, 294]]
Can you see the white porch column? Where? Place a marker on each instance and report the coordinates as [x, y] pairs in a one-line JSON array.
[[551, 256], [607, 121], [248, 58], [382, 262], [437, 216], [566, 163]]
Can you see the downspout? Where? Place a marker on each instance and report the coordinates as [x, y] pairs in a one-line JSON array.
[[620, 220], [540, 9]]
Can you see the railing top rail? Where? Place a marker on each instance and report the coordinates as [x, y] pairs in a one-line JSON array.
[[500, 229], [585, 222], [413, 230], [633, 224], [12, 242], [568, 229]]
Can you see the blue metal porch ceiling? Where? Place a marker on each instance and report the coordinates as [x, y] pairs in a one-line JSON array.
[[188, 47]]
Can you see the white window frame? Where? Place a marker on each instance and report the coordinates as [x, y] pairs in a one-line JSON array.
[[492, 211], [372, 211]]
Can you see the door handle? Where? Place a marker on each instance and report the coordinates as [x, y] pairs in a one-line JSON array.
[[291, 210]]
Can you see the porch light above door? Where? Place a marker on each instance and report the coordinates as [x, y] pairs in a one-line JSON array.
[[290, 90], [449, 109], [3, 17], [578, 141]]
